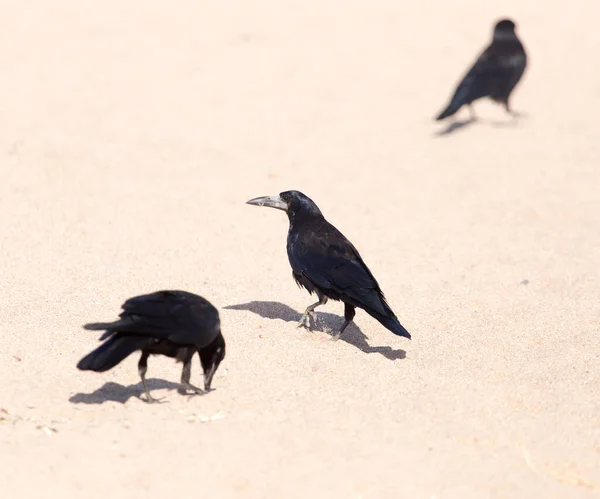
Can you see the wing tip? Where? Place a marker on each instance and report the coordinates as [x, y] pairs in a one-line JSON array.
[[451, 109], [95, 326], [398, 329], [403, 332]]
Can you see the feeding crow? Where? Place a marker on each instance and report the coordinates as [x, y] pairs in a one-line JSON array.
[[172, 323], [495, 73], [325, 262]]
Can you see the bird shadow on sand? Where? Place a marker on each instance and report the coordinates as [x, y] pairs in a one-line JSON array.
[[455, 126], [115, 392], [325, 323]]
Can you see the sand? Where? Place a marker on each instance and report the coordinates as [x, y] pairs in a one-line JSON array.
[[132, 135]]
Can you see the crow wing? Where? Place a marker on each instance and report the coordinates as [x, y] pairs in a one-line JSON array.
[[177, 316], [323, 255], [495, 72]]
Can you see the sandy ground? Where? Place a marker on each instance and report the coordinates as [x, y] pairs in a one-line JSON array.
[[132, 135]]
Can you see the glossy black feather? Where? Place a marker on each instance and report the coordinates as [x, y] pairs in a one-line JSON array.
[[177, 316], [112, 352]]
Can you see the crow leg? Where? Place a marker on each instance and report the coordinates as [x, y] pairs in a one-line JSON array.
[[309, 312], [349, 313], [472, 111], [186, 373], [510, 111], [142, 368]]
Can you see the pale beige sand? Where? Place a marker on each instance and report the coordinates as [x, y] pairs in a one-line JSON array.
[[133, 133]]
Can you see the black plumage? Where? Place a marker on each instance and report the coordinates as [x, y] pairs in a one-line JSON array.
[[324, 262], [494, 74], [176, 324]]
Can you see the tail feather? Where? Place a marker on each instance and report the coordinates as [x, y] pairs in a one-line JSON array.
[[156, 326], [110, 327], [98, 326], [469, 89], [392, 323], [454, 106], [375, 304], [113, 351]]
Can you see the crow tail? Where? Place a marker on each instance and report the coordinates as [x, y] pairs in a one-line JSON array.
[[113, 351], [393, 324], [454, 106], [98, 326], [390, 321]]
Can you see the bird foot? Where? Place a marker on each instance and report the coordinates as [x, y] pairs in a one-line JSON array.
[[305, 320], [189, 387], [473, 117], [151, 400], [336, 336]]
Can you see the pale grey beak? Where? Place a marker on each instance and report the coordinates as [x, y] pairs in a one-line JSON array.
[[270, 201], [208, 377]]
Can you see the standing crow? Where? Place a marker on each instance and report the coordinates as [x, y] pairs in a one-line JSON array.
[[495, 73], [172, 323], [325, 262]]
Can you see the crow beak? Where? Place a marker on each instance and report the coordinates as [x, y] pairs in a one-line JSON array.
[[208, 377], [270, 201]]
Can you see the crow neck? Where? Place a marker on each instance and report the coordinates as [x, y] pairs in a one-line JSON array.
[[301, 217]]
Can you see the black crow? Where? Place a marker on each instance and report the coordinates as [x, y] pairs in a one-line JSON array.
[[172, 323], [495, 73], [325, 262]]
